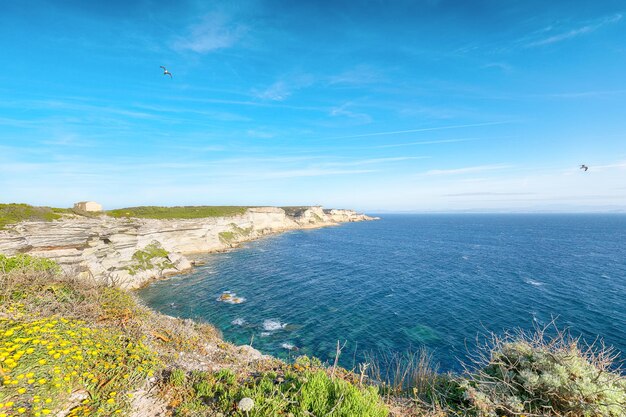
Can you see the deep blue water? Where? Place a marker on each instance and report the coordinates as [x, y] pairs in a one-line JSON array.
[[413, 280]]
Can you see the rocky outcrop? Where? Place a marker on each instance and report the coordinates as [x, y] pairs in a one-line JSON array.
[[129, 252]]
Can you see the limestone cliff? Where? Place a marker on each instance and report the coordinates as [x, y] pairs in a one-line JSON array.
[[129, 251]]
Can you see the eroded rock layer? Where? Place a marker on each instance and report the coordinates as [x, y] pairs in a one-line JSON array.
[[129, 252]]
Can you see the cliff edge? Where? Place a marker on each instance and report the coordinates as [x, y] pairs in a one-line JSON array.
[[128, 252]]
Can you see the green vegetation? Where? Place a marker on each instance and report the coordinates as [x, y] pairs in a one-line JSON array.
[[15, 213], [182, 212], [294, 391], [241, 231], [294, 211], [535, 374], [46, 359], [152, 256], [26, 263], [231, 236], [226, 237]]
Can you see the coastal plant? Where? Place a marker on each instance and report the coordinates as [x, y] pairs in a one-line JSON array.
[[46, 361], [150, 257], [410, 373], [226, 237], [538, 374], [300, 394], [240, 230], [15, 213], [26, 263]]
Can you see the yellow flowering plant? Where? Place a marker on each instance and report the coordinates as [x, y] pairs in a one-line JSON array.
[[45, 362]]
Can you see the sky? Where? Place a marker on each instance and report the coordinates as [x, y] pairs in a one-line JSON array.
[[380, 106]]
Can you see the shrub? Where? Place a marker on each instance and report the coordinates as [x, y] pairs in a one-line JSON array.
[[227, 237], [26, 263], [298, 394], [15, 213], [152, 256], [538, 375]]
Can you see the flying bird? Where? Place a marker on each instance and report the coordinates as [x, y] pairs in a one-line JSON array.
[[585, 167], [166, 72]]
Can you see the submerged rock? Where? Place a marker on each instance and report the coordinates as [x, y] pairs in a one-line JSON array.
[[230, 298]]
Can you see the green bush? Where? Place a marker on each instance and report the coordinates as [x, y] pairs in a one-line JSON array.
[[26, 263], [226, 237], [544, 376], [300, 394], [15, 213], [146, 259]]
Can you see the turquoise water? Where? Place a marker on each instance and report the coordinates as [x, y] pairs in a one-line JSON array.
[[411, 280]]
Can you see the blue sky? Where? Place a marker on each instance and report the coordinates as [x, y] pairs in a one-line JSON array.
[[379, 106]]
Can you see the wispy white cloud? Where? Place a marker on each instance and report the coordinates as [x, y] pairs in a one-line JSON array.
[[361, 74], [487, 194], [423, 142], [618, 165], [376, 161], [502, 66], [426, 129], [260, 133], [343, 111], [215, 31], [69, 140], [284, 87], [468, 170], [590, 27], [584, 94], [309, 172], [278, 91]]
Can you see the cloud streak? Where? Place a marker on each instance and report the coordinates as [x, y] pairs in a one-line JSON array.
[[216, 31], [426, 129], [468, 170], [278, 91], [583, 30]]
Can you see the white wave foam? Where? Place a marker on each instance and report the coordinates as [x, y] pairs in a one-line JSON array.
[[271, 325], [265, 334], [235, 300], [288, 346], [533, 282], [238, 321]]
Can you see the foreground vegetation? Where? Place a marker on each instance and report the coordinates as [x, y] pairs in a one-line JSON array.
[[76, 348]]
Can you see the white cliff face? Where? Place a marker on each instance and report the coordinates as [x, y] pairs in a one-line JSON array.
[[130, 252]]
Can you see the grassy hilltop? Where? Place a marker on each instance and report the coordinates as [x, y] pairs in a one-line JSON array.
[[82, 349], [15, 213]]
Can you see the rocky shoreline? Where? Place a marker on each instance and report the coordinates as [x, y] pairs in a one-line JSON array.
[[130, 252]]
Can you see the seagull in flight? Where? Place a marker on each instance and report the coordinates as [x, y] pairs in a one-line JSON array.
[[585, 167], [165, 71]]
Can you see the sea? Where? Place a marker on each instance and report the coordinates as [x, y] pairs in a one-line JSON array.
[[440, 282]]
